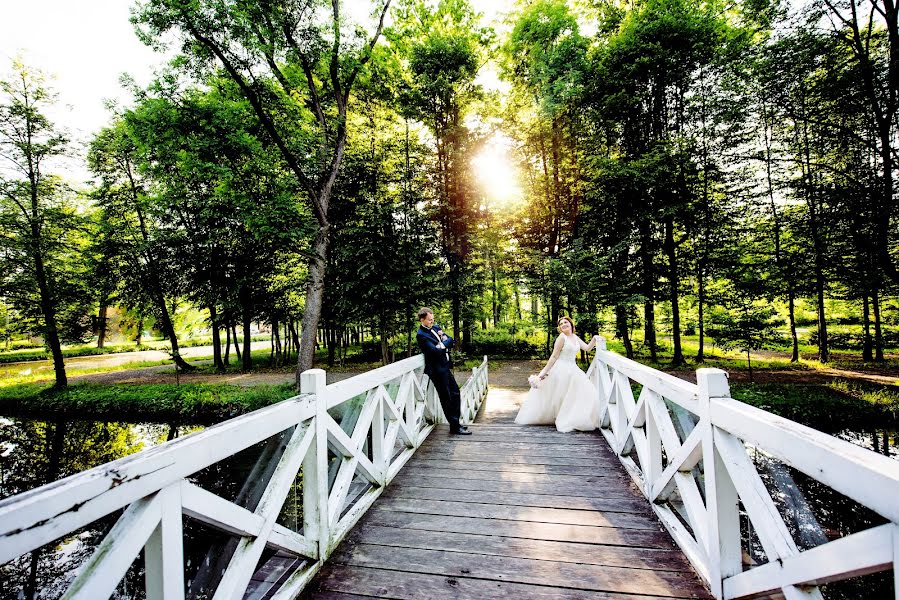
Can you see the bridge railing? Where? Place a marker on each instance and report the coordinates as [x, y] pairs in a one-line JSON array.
[[342, 443], [685, 445]]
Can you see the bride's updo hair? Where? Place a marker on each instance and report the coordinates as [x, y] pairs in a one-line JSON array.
[[573, 329]]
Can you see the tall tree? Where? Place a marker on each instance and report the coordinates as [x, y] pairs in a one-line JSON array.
[[292, 65], [33, 213]]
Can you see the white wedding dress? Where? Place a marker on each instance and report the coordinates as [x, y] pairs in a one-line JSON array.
[[566, 398]]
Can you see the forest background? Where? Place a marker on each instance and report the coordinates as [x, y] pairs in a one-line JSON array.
[[702, 182]]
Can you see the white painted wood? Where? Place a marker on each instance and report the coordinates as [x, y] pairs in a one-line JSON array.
[[217, 512], [342, 391], [896, 560], [726, 527], [316, 524], [677, 390], [711, 383], [112, 558], [242, 564], [855, 555], [695, 507], [865, 476], [715, 434], [685, 541], [152, 485], [164, 551], [769, 526], [76, 501], [682, 458]]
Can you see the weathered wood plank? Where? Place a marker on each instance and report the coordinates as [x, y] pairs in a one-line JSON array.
[[416, 586], [522, 467], [593, 554], [631, 505], [587, 534], [521, 513], [522, 570], [511, 459], [511, 512], [599, 478], [494, 436], [620, 490], [458, 446]]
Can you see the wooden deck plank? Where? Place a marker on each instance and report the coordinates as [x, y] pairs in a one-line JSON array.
[[522, 570], [624, 504], [522, 529], [510, 512], [621, 490], [381, 583], [531, 514], [596, 478], [522, 467], [663, 559]]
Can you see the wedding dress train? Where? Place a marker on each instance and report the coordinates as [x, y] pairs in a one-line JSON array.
[[566, 398]]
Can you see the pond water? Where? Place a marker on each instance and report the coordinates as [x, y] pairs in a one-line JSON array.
[[33, 452]]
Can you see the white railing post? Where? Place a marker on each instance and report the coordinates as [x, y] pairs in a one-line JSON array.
[[316, 525], [164, 551], [722, 503]]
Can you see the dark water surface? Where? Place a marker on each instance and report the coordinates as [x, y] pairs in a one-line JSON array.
[[34, 452]]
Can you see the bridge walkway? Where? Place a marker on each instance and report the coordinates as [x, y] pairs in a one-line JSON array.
[[509, 512]]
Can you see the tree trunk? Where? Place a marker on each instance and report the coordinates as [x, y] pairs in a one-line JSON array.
[[622, 329], [101, 324], [295, 335], [878, 334], [315, 288], [236, 343], [649, 319], [276, 340], [51, 332], [749, 364], [791, 304], [671, 250], [867, 342], [700, 276], [247, 314], [168, 330], [227, 359], [216, 340]]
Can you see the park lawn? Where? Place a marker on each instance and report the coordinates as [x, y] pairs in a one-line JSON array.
[[829, 408], [192, 403]]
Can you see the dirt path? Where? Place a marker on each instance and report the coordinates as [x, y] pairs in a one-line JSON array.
[[503, 373]]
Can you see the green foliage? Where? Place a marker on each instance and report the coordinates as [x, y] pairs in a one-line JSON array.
[[187, 403], [827, 408]]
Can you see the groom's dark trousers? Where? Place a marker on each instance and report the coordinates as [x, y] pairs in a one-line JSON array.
[[439, 368]]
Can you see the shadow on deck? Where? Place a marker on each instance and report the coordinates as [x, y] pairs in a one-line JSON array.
[[509, 512]]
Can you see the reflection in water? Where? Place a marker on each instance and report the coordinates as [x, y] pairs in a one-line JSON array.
[[33, 453], [816, 514]]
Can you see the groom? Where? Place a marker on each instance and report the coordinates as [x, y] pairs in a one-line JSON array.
[[435, 346]]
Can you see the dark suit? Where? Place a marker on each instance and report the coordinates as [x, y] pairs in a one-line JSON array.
[[438, 367]]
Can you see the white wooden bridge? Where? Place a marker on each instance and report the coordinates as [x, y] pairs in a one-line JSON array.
[[391, 507]]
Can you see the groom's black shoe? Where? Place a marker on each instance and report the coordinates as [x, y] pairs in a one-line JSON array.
[[461, 430]]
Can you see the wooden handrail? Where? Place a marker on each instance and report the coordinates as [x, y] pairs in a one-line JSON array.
[[690, 443], [153, 487]]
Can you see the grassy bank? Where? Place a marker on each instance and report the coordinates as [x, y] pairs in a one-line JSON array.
[[829, 408], [197, 403]]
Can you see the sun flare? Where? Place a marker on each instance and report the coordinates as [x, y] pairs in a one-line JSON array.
[[497, 174]]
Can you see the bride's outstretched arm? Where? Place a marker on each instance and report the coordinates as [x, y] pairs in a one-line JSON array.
[[588, 347], [557, 349]]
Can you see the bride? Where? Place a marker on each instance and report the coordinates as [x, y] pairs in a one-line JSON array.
[[564, 396]]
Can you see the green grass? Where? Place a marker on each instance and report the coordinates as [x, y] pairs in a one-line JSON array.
[[186, 403], [829, 408], [36, 354]]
